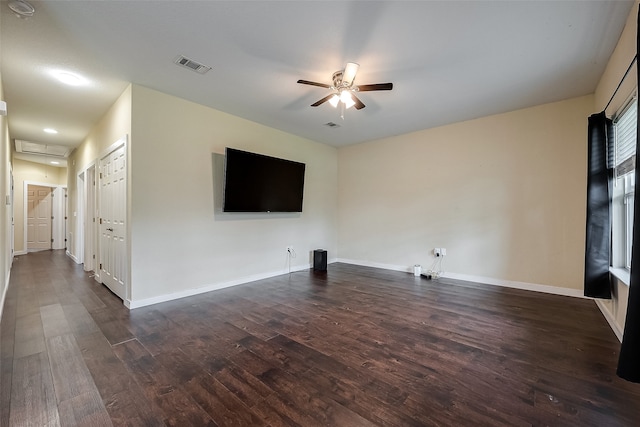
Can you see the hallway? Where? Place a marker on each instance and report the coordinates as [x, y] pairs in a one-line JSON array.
[[48, 305]]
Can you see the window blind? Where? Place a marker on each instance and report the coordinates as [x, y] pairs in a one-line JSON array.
[[625, 140]]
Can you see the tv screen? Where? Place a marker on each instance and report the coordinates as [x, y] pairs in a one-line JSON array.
[[257, 183]]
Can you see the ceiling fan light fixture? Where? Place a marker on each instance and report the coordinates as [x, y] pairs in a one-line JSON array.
[[343, 90], [349, 103], [347, 99], [349, 73]]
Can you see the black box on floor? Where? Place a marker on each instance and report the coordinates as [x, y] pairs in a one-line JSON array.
[[320, 260]]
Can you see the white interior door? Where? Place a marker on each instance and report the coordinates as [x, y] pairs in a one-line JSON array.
[[12, 215], [90, 221], [66, 218], [57, 218], [38, 217], [80, 221], [113, 211]]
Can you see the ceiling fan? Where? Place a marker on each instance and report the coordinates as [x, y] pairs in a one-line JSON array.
[[344, 91]]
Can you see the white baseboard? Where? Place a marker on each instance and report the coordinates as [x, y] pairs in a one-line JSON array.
[[72, 256], [16, 253], [547, 289], [610, 320], [133, 304], [555, 290], [393, 267]]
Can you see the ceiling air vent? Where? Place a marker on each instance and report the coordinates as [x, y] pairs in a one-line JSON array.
[[42, 149], [332, 125], [192, 65]]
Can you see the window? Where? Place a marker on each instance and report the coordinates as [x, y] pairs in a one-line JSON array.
[[629, 184], [625, 128]]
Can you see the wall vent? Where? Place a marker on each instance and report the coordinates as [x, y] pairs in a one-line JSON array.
[[185, 62], [332, 125]]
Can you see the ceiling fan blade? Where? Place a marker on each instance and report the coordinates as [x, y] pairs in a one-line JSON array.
[[307, 82], [349, 73], [358, 104], [322, 101], [377, 86]]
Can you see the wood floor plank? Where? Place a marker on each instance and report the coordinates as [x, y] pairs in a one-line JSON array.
[[80, 321], [223, 407], [245, 386], [7, 346], [33, 399], [132, 409], [85, 410], [111, 325], [54, 321], [29, 335], [352, 387], [70, 374], [110, 375], [161, 387], [351, 346]]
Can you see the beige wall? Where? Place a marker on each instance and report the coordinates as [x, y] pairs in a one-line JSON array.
[[5, 210], [178, 242], [616, 308], [34, 173], [115, 124], [505, 195]]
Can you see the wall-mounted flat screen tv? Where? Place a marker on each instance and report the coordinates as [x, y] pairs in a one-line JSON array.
[[257, 183]]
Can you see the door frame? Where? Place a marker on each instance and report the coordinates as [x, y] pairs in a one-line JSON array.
[[13, 221], [78, 236], [89, 215], [121, 142], [58, 222], [85, 236]]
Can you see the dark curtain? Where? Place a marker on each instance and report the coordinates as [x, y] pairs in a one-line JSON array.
[[599, 183], [629, 362]]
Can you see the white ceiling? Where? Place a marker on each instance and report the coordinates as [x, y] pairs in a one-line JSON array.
[[448, 60]]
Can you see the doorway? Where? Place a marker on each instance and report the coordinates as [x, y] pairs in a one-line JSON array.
[[78, 248], [39, 211], [89, 216], [113, 262], [44, 216]]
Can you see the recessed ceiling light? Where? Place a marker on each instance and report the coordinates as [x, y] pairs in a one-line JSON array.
[[69, 78], [21, 8], [50, 130], [53, 162]]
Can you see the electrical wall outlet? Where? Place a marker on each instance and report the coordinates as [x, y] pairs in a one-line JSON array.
[[436, 252], [443, 251]]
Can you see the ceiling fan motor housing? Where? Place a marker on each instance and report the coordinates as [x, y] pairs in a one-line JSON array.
[[337, 79]]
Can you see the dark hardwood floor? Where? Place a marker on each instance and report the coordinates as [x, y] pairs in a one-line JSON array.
[[353, 347]]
